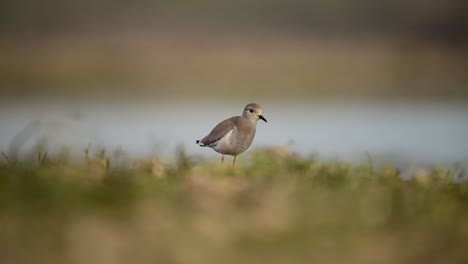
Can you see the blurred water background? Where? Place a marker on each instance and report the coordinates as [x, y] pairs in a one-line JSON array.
[[337, 79], [393, 132], [382, 84]]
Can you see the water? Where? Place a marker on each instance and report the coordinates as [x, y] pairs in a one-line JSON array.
[[347, 130]]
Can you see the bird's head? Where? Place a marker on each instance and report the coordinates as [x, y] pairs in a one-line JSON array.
[[253, 112]]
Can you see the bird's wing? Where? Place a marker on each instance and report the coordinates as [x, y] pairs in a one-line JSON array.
[[219, 131]]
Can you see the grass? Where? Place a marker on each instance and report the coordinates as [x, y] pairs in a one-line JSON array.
[[277, 208], [156, 65]]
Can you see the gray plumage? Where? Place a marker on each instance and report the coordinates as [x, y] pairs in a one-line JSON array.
[[234, 135]]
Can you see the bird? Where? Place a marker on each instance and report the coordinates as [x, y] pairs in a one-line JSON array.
[[234, 135]]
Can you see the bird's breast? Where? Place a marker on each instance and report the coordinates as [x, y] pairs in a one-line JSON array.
[[224, 145]]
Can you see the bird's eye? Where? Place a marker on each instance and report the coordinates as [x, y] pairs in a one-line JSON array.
[[251, 110]]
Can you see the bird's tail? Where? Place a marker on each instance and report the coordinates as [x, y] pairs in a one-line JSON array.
[[200, 143]]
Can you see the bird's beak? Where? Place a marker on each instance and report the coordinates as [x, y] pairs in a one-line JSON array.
[[262, 118]]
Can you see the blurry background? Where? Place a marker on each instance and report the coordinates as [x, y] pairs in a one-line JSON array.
[[338, 78]]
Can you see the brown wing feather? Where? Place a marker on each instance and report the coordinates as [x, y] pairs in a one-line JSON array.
[[219, 131]]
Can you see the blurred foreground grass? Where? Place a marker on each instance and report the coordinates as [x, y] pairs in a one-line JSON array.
[[277, 208]]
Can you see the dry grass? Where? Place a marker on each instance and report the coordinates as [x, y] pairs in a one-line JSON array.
[[173, 65], [279, 208]]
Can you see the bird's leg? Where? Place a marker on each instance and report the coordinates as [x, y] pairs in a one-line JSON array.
[[234, 160], [222, 159]]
